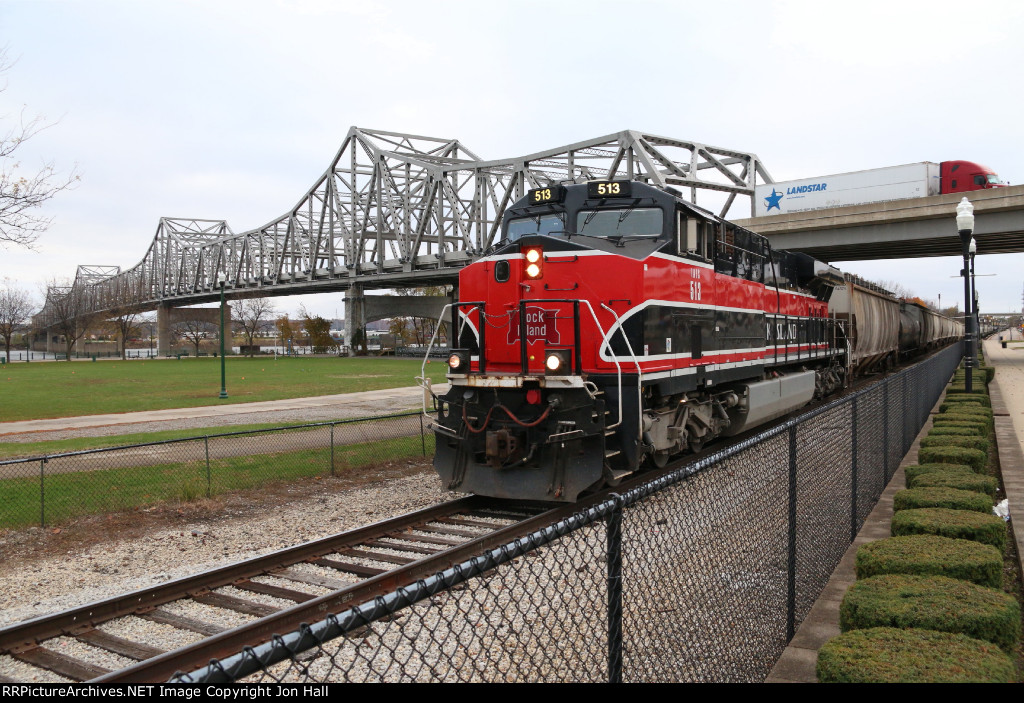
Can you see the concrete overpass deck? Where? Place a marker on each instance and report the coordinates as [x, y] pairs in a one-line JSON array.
[[899, 229]]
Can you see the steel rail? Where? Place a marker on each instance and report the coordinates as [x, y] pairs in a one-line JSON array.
[[25, 638], [164, 666]]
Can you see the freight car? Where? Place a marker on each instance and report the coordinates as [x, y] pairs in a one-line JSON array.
[[614, 325], [922, 330]]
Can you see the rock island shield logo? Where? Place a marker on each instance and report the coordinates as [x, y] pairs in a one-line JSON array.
[[540, 325]]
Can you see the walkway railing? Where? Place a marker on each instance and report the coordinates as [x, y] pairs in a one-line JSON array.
[[47, 488]]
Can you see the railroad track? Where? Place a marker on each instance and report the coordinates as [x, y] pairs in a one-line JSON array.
[[352, 567]]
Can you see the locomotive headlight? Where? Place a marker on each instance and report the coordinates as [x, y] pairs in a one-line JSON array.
[[558, 362], [458, 361], [534, 262]]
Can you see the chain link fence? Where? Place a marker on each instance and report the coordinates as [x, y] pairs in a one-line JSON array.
[[48, 488], [701, 575]]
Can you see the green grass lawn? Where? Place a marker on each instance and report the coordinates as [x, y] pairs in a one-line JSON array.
[[66, 389]]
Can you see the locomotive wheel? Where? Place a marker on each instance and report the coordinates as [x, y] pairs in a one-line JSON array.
[[660, 458], [696, 445]]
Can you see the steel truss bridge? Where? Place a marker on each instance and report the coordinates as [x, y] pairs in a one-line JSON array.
[[392, 210]]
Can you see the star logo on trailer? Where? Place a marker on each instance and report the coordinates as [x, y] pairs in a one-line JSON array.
[[772, 201]]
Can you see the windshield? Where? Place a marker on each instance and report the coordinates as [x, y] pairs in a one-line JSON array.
[[541, 224], [994, 179], [625, 222]]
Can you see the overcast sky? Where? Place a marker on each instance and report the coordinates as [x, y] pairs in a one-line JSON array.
[[231, 110]]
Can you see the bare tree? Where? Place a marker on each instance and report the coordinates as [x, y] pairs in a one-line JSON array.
[[66, 311], [253, 317], [125, 325], [195, 332], [23, 192], [15, 309]]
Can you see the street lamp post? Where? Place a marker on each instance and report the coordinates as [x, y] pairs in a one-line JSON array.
[[221, 281], [976, 338], [965, 227]]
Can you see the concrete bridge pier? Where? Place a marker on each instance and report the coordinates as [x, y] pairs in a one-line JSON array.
[[355, 317], [167, 316], [163, 329]]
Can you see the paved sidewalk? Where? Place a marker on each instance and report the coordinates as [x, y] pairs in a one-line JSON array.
[[1007, 391], [353, 403], [797, 664]]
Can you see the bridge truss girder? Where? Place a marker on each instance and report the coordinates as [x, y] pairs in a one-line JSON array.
[[395, 209]]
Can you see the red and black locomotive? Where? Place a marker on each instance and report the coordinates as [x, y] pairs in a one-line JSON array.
[[615, 324]]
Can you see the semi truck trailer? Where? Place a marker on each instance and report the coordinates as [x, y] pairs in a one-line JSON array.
[[873, 186]]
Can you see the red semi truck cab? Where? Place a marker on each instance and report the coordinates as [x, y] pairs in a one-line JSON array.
[[962, 176]]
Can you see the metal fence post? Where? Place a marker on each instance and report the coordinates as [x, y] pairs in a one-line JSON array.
[[854, 519], [423, 439], [885, 435], [923, 409], [791, 569], [332, 449], [614, 532], [903, 413], [42, 492], [206, 443]]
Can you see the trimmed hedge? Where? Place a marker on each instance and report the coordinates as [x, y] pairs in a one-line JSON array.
[[957, 390], [985, 373], [978, 483], [979, 443], [968, 409], [931, 555], [939, 497], [932, 603], [958, 416], [963, 416], [965, 400], [954, 455], [914, 470], [951, 431], [954, 405], [953, 393], [889, 655], [956, 524], [978, 426], [959, 408]]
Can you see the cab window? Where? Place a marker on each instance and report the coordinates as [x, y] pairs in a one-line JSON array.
[[621, 222], [551, 225]]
